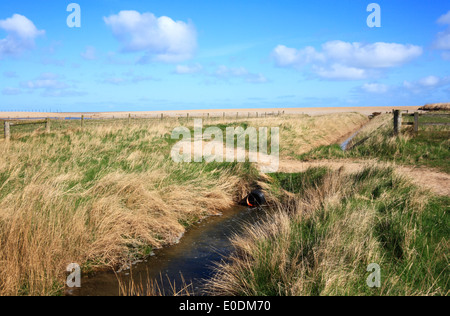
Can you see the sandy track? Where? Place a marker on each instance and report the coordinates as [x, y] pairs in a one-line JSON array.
[[436, 181]]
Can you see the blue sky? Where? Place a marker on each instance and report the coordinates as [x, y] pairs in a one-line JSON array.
[[172, 55]]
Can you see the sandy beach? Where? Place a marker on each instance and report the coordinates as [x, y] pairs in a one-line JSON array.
[[205, 113]]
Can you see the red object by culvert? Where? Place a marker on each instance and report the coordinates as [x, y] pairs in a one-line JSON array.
[[256, 199]]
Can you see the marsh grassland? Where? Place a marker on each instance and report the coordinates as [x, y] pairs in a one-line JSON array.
[[108, 193], [329, 224]]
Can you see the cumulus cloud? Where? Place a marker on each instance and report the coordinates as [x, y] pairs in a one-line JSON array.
[[161, 39], [21, 35], [376, 55], [442, 41], [338, 71], [288, 57], [346, 61]]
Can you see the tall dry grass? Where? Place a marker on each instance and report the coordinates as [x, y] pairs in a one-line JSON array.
[[155, 287], [99, 196], [321, 241], [109, 193], [300, 134], [436, 107]]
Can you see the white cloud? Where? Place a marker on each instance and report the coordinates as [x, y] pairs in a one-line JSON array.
[[20, 26], [426, 84], [347, 61], [89, 53], [224, 72], [44, 84], [63, 93], [444, 19], [377, 88], [287, 57], [191, 69], [51, 85], [376, 55], [341, 72], [162, 39], [442, 41], [429, 81], [21, 35], [11, 91]]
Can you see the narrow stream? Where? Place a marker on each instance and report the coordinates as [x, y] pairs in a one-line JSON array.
[[193, 257], [344, 145]]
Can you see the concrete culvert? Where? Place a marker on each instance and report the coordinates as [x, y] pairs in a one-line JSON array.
[[256, 199]]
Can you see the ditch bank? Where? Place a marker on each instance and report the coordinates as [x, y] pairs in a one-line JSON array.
[[190, 262]]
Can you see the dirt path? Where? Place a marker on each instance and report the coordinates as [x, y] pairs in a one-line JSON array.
[[436, 181]]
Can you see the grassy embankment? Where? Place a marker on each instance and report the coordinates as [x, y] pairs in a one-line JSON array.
[[430, 147], [322, 239], [330, 226], [109, 193]]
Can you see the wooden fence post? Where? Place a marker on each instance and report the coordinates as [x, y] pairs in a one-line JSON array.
[[82, 121], [397, 121], [47, 125], [7, 131], [162, 116], [416, 122]]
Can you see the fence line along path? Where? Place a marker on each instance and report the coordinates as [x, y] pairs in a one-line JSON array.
[[398, 120], [8, 124]]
